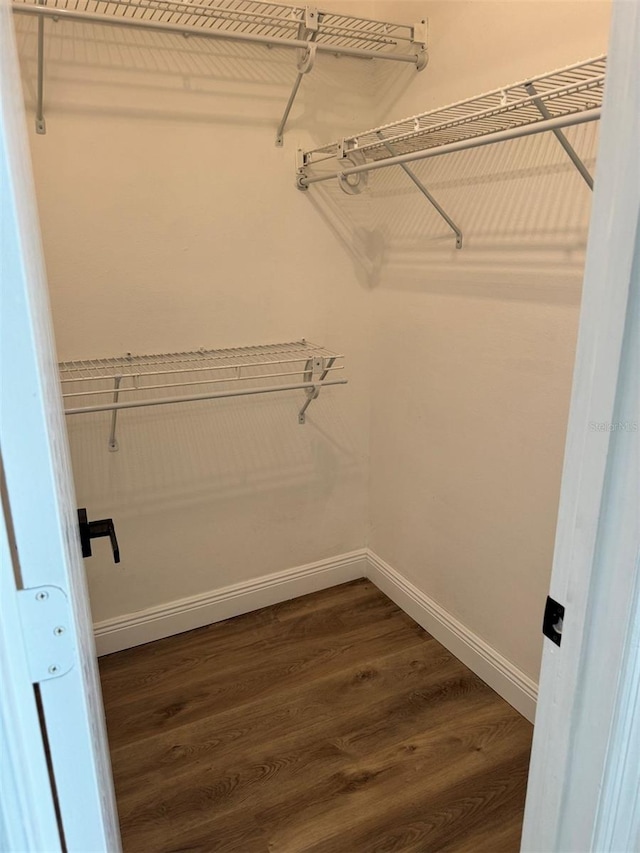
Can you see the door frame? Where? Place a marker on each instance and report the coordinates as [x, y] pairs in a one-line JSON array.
[[583, 780], [41, 532], [588, 718], [24, 776]]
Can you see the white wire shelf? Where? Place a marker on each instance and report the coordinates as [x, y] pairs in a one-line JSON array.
[[136, 381], [238, 20], [577, 88], [546, 103], [306, 28]]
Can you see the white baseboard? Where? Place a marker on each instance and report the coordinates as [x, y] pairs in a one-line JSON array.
[[502, 675], [165, 620]]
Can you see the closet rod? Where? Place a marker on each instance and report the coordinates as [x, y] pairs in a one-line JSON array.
[[499, 136], [243, 392], [69, 14]]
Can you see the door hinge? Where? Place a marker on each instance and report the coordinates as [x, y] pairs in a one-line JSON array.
[[553, 620], [46, 629]]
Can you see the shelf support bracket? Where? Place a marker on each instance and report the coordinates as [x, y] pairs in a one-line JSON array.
[[425, 192], [419, 42], [113, 444], [315, 370], [562, 139], [306, 31], [41, 126]]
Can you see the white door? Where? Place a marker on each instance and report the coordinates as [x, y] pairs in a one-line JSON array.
[[46, 623], [584, 782]]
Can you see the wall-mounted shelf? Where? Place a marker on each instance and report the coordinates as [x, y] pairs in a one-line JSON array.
[[112, 384], [306, 28], [549, 102]]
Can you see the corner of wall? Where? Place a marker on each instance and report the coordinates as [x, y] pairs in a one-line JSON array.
[[494, 669]]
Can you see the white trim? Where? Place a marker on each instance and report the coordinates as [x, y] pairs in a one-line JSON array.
[[185, 614], [585, 724], [38, 484], [165, 620], [27, 812], [618, 823], [495, 670]]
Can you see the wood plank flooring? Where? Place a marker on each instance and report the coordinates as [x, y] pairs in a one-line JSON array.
[[328, 724]]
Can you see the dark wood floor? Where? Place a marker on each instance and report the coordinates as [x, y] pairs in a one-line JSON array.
[[328, 724]]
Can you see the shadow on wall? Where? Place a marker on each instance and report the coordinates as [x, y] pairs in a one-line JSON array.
[[207, 494], [213, 451], [101, 69], [389, 83], [521, 205]]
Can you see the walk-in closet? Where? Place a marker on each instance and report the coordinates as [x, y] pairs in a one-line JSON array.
[[315, 278]]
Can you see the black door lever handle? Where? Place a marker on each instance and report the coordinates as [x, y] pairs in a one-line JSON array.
[[93, 530]]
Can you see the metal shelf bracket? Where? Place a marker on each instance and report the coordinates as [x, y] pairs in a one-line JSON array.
[[562, 139], [420, 44], [307, 31], [41, 126], [358, 183], [113, 444], [315, 371], [301, 174], [425, 192]]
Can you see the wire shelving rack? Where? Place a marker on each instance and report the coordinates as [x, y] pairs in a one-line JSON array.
[[137, 381], [306, 28], [548, 102]]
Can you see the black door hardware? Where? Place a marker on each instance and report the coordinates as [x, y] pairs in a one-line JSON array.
[[552, 622], [93, 530]]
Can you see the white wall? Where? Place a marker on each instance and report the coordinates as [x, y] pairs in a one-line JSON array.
[[473, 349], [171, 221]]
